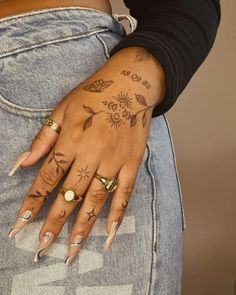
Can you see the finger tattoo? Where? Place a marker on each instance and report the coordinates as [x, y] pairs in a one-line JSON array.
[[124, 205], [38, 194], [83, 173], [91, 214], [58, 159]]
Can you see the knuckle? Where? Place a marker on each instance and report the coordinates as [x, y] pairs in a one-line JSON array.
[[40, 137], [48, 177], [126, 191], [55, 221], [98, 196]]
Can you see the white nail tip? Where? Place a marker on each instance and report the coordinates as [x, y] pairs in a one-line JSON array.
[[112, 233], [10, 235], [18, 162]]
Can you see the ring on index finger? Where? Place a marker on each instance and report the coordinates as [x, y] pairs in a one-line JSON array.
[[52, 124], [108, 183]]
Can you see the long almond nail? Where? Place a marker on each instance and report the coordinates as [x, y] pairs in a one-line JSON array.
[[74, 249], [43, 246], [111, 236], [23, 219], [18, 162]]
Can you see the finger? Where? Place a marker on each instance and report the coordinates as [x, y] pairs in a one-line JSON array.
[[94, 201], [50, 173], [78, 180], [126, 180], [42, 143]]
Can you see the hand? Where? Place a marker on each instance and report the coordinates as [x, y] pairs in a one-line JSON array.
[[105, 124]]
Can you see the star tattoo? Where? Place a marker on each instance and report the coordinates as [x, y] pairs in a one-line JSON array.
[[91, 214]]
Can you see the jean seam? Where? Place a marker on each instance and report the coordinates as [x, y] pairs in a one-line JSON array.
[[106, 51], [154, 221], [52, 41], [22, 111], [44, 10], [176, 172]]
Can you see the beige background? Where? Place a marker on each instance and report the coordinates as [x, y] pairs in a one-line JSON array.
[[203, 125]]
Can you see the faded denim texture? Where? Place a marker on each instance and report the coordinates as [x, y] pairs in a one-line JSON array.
[[43, 56]]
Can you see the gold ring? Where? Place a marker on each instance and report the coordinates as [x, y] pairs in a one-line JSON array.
[[70, 195], [52, 124], [109, 183]]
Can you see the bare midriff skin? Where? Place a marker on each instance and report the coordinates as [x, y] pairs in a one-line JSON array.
[[12, 7]]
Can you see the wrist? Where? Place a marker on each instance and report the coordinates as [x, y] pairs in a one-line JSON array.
[[145, 73]]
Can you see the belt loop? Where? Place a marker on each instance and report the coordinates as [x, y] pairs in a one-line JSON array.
[[132, 21]]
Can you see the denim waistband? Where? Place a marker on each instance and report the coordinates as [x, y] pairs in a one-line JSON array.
[[45, 26]]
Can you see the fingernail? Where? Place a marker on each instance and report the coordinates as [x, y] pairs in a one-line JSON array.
[[23, 219], [45, 242], [18, 162], [74, 249], [111, 236]]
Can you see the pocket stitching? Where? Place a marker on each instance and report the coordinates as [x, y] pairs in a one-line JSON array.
[[49, 42], [105, 47], [19, 110]]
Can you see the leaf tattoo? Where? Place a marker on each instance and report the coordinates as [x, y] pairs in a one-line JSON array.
[[58, 161], [141, 99], [38, 194], [133, 120], [88, 121], [98, 85]]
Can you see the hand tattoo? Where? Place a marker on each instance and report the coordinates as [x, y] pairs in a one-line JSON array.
[[62, 213], [119, 111], [58, 162], [142, 54], [125, 204], [83, 173], [91, 214], [98, 85], [88, 122], [136, 78], [38, 194]]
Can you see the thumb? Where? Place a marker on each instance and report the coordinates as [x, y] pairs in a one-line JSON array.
[[42, 143]]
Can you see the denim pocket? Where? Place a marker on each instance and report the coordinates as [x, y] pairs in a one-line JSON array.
[[34, 80]]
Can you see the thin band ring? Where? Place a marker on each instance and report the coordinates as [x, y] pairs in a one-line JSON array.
[[52, 124], [108, 183]]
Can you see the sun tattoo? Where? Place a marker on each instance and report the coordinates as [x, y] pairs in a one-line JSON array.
[[118, 110], [83, 173]]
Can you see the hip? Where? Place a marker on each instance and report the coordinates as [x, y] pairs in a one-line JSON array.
[[40, 63]]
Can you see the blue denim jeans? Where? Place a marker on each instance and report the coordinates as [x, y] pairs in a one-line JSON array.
[[44, 54]]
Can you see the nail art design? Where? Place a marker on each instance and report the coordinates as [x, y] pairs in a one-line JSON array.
[[13, 232], [74, 249], [69, 259], [112, 234], [23, 219], [26, 215], [44, 244], [18, 162]]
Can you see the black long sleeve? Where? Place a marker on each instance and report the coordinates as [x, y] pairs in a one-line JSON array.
[[179, 33]]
